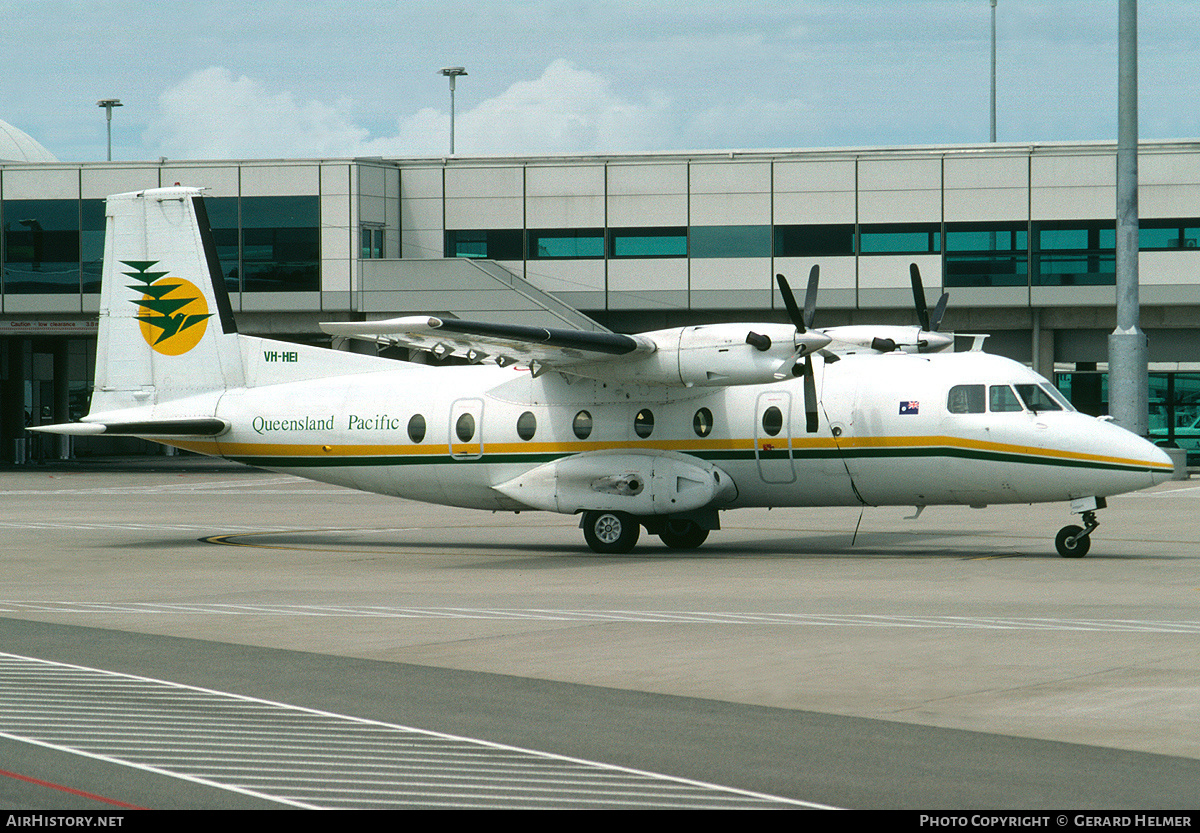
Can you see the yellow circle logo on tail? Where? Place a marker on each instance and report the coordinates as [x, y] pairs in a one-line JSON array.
[[174, 315]]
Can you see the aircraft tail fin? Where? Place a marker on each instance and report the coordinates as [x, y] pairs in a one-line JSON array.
[[166, 323]]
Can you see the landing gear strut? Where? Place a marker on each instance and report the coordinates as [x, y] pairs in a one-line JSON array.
[[1073, 541]]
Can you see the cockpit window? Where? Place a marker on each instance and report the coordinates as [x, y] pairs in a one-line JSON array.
[[1036, 399], [966, 399], [1001, 398], [1056, 395]]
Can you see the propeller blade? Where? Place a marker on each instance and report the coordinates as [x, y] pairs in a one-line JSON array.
[[810, 397], [918, 289], [939, 310], [789, 301], [810, 297]]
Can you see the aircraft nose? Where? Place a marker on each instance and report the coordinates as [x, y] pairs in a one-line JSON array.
[[1163, 467], [1144, 463]]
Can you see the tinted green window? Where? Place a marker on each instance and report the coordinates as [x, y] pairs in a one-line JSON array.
[[1074, 252], [648, 242], [223, 217], [91, 242], [987, 254], [281, 248], [41, 246], [566, 243], [900, 238], [466, 244], [702, 422], [730, 241], [496, 244], [987, 237], [371, 242], [1159, 235], [812, 241]]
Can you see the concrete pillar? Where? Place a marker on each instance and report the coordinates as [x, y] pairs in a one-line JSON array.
[[1043, 347], [62, 394], [12, 398]]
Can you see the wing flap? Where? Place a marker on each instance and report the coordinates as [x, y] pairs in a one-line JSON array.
[[505, 343]]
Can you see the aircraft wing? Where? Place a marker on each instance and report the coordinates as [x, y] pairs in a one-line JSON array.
[[540, 347]]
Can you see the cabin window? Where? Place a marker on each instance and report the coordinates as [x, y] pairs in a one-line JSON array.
[[465, 427], [416, 428], [526, 426], [1001, 398], [966, 399], [643, 423], [772, 421], [1037, 399], [702, 422], [582, 425]]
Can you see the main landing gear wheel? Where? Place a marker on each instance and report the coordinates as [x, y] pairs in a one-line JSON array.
[[1070, 544], [683, 535], [610, 532]]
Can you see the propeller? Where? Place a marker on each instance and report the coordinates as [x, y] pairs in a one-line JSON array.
[[929, 323], [803, 321]]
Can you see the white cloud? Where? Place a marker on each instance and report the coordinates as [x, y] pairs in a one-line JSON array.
[[212, 114], [565, 110]]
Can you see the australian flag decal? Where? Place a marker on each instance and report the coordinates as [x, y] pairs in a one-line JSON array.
[[911, 407]]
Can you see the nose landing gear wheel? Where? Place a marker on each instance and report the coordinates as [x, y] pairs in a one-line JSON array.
[[1070, 542], [683, 535], [610, 532]]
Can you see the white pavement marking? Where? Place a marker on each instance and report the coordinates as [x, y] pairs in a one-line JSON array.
[[637, 616], [316, 759], [269, 486]]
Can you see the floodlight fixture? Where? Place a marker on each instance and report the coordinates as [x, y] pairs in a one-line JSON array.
[[452, 73], [108, 104]]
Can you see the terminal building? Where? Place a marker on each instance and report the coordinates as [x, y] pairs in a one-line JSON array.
[[1022, 236]]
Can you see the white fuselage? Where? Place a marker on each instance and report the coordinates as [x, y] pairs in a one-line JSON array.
[[886, 435]]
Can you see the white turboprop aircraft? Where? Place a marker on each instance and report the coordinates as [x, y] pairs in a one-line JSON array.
[[658, 430]]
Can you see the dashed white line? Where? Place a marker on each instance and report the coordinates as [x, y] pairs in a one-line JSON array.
[[614, 616]]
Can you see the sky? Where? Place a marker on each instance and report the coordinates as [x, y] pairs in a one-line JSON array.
[[269, 79]]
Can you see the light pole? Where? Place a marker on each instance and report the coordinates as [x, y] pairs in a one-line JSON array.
[[993, 70], [452, 73], [1128, 349], [108, 104]]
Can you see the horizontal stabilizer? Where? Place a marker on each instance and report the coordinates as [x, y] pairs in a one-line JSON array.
[[202, 427]]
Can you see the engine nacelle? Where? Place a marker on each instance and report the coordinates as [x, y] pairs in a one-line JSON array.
[[715, 355], [870, 338]]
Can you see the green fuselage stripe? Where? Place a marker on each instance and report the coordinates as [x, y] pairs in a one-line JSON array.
[[798, 455]]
